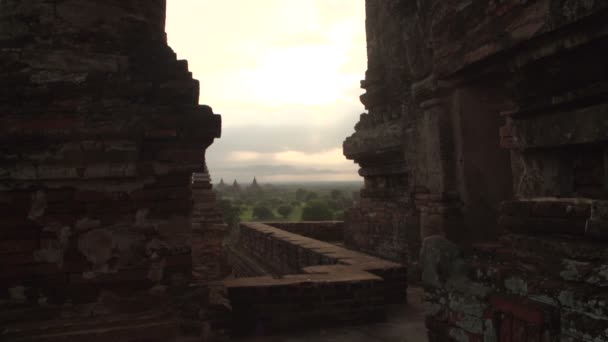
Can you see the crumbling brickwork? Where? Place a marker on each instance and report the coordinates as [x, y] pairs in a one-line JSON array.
[[328, 231], [288, 282], [208, 230], [100, 131], [426, 158], [447, 83]]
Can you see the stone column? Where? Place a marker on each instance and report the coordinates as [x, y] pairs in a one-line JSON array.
[[384, 222]]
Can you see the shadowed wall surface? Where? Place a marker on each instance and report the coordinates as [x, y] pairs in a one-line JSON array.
[[101, 131], [487, 121]]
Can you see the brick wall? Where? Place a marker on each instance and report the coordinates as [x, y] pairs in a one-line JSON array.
[[328, 231], [313, 283], [100, 132], [448, 83], [208, 231], [383, 228], [328, 297]]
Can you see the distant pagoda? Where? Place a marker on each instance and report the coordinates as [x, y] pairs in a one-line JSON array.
[[236, 187], [221, 186], [255, 187]]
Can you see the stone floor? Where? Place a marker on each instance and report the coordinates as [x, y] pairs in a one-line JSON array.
[[404, 324]]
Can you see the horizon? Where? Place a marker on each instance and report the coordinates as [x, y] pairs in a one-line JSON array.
[[250, 181], [288, 97]]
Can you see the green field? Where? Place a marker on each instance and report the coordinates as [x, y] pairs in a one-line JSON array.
[[310, 201], [246, 214]]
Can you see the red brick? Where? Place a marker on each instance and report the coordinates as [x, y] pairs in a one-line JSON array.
[[505, 334], [525, 311]]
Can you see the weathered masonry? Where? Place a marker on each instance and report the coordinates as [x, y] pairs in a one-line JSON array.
[[484, 151], [285, 281], [100, 131], [488, 121]]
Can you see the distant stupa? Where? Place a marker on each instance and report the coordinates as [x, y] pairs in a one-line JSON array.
[[235, 186], [221, 185], [254, 187]]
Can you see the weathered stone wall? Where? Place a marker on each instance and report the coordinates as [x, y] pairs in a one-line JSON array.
[[328, 231], [307, 283], [428, 154], [100, 132], [449, 78], [379, 224], [208, 231]]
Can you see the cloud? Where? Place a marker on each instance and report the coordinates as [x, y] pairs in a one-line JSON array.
[[303, 39], [282, 173], [268, 170], [264, 140], [244, 156], [285, 76], [285, 166], [332, 158]]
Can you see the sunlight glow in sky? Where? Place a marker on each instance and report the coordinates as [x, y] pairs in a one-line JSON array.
[[284, 75]]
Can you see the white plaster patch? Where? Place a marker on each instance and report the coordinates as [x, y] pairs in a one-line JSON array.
[[543, 299], [517, 286], [87, 224], [432, 309], [572, 269], [489, 334], [459, 335], [38, 205], [599, 276], [141, 218], [97, 246], [17, 293]]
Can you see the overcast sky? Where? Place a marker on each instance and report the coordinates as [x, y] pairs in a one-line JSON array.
[[284, 75]]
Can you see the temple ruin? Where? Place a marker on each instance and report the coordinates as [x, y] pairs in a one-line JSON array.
[[484, 154], [485, 143]]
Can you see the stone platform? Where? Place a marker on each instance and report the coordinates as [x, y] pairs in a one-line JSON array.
[[404, 323], [307, 283]]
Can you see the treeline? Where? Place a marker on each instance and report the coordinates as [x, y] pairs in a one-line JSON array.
[[282, 203]]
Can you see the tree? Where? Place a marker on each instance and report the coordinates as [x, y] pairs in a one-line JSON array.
[[261, 212], [311, 196], [254, 188], [339, 215], [221, 186], [336, 194], [274, 202], [285, 210], [316, 211], [231, 213], [347, 203], [301, 194], [335, 205]]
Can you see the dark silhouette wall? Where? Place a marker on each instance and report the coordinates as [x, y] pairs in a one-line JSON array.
[[100, 131], [447, 82]]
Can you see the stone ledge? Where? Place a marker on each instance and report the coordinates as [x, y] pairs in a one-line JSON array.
[[328, 284], [328, 231]]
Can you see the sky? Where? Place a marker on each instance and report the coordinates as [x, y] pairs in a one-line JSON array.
[[285, 76]]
